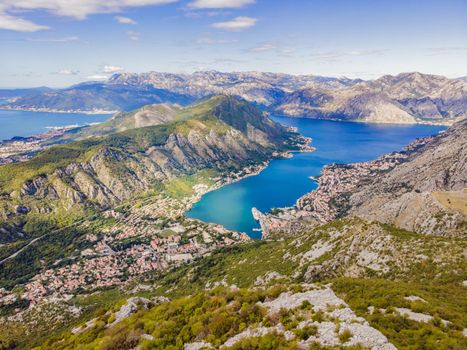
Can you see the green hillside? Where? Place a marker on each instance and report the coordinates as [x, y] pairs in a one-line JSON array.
[[224, 294]]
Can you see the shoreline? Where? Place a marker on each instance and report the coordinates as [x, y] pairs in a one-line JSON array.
[[51, 110], [417, 122], [111, 112], [256, 170]]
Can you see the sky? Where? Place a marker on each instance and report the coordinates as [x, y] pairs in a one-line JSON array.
[[62, 42]]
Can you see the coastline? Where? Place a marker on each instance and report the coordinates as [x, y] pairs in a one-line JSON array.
[[51, 110], [373, 122], [253, 170], [110, 112]]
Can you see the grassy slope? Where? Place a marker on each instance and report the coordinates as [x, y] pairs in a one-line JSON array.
[[241, 265]]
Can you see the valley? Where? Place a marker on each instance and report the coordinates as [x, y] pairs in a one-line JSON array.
[[95, 239], [233, 175], [117, 198]]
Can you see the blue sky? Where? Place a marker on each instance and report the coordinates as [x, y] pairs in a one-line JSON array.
[[62, 42]]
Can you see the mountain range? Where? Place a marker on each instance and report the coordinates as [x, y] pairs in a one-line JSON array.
[[404, 98], [95, 97], [97, 167], [96, 252], [6, 94]]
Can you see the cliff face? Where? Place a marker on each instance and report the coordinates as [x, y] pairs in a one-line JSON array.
[[221, 133], [426, 193]]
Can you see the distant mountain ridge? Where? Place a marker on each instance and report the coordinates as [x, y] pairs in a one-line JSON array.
[[19, 92], [404, 98], [259, 87], [96, 96]]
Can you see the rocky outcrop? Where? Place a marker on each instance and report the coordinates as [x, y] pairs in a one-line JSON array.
[[426, 193], [133, 304]]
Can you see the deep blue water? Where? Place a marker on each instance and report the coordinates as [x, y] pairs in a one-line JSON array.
[[285, 180], [25, 123]]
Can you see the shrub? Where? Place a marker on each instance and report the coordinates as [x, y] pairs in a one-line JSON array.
[[345, 335]]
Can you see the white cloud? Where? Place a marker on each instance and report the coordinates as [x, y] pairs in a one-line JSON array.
[[264, 47], [111, 69], [217, 4], [286, 52], [78, 9], [18, 24], [135, 36], [446, 49], [124, 20], [236, 24], [98, 77], [68, 72], [334, 55], [206, 40], [366, 52], [56, 40]]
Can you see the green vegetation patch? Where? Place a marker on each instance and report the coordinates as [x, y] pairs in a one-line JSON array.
[[213, 316], [443, 301], [12, 176], [182, 186]]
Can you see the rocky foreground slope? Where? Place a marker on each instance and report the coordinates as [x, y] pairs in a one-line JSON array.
[[221, 133], [421, 189], [404, 98], [349, 284]]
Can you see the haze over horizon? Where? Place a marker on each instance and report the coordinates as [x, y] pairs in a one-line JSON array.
[[87, 40]]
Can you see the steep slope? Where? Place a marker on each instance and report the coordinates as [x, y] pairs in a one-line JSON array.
[[421, 189], [95, 97], [433, 201], [348, 283], [405, 98], [221, 133], [148, 115]]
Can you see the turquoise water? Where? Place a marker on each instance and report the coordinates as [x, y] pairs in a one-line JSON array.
[[25, 123], [285, 180]]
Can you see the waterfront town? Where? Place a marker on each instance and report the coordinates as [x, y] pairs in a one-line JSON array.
[[20, 149], [150, 236], [134, 245]]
